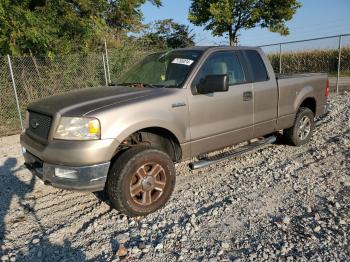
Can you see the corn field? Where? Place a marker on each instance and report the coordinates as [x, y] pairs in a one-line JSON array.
[[312, 61]]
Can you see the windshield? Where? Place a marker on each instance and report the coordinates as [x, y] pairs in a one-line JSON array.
[[166, 69]]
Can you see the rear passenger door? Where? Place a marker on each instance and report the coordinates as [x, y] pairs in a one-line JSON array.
[[265, 92], [221, 119]]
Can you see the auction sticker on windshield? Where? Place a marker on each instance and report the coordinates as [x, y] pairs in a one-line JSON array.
[[182, 61]]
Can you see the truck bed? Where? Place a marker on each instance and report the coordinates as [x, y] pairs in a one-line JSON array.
[[293, 87], [299, 75]]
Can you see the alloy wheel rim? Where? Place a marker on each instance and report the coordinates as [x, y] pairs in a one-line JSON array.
[[147, 184], [304, 128]]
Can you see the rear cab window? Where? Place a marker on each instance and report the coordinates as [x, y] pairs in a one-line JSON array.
[[257, 66]]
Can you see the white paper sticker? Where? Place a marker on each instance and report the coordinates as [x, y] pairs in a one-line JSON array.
[[182, 61]]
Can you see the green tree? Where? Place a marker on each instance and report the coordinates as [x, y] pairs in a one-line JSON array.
[[230, 16], [167, 33], [126, 15], [49, 27]]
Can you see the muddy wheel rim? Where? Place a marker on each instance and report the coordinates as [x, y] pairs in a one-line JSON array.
[[147, 184], [304, 127]]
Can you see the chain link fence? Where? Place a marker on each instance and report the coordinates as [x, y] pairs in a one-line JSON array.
[[344, 69], [38, 77], [327, 55], [121, 58], [9, 120]]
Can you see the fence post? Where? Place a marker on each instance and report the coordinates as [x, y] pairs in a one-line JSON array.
[[339, 57], [107, 63], [280, 58], [15, 91], [104, 69]]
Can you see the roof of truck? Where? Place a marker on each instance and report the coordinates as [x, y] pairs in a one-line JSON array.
[[204, 48]]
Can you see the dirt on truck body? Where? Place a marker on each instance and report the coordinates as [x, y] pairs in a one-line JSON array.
[[170, 107]]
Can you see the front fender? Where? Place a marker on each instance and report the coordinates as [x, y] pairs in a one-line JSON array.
[[126, 131], [119, 122]]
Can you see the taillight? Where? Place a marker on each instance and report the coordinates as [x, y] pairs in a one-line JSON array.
[[327, 88]]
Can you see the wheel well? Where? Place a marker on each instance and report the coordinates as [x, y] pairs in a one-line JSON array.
[[157, 137], [309, 103]]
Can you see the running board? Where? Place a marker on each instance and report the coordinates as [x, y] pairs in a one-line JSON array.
[[206, 161]]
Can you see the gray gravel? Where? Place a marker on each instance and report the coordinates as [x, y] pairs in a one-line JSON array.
[[279, 202]]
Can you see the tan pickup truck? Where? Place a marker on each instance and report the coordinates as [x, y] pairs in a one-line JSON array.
[[170, 107]]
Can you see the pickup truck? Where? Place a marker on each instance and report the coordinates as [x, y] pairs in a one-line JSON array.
[[171, 107]]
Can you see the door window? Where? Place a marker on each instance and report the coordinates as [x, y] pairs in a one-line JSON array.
[[222, 63]]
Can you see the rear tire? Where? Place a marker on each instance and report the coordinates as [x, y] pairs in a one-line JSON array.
[[140, 181], [300, 133]]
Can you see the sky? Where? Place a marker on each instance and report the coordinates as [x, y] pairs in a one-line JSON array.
[[316, 18]]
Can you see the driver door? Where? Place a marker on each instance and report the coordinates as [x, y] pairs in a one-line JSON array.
[[220, 119]]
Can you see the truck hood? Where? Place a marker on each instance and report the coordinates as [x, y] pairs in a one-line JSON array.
[[79, 102]]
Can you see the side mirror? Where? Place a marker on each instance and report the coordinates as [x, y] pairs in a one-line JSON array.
[[213, 83]]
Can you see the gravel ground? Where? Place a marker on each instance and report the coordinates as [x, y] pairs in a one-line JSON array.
[[279, 202]]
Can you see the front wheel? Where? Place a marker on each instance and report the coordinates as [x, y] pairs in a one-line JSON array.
[[140, 181], [301, 132]]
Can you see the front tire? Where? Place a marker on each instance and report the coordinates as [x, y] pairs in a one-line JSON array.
[[304, 125], [140, 181]]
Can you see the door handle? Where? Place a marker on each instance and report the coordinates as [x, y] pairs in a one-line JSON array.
[[178, 104], [247, 96]]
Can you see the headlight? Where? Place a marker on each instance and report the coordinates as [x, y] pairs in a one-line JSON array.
[[78, 128]]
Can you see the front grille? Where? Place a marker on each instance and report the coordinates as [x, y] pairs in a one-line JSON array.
[[39, 125]]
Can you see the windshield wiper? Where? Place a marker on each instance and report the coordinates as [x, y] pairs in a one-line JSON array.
[[138, 84]]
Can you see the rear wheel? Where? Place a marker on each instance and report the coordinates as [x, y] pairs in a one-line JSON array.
[[303, 128], [141, 181]]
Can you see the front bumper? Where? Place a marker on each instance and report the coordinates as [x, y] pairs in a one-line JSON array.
[[71, 153], [84, 178]]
